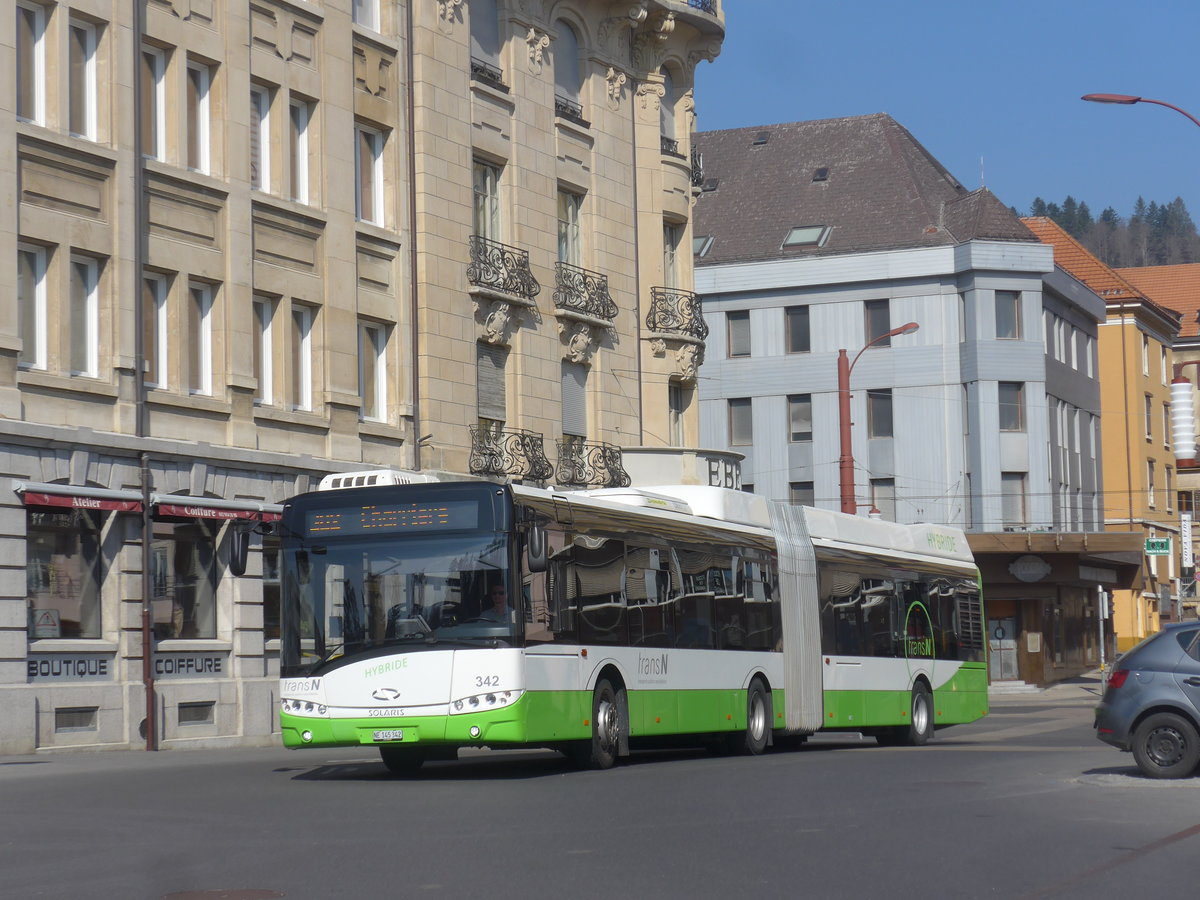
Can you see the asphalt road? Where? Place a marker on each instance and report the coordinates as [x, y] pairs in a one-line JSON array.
[[1023, 804]]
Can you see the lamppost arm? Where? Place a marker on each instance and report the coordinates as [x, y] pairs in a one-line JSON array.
[[1130, 99]]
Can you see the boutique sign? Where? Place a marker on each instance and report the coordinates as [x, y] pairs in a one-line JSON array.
[[68, 667]]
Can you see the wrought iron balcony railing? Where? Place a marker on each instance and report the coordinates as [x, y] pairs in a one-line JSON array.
[[569, 109], [670, 146], [697, 167], [583, 463], [487, 73], [581, 291], [501, 268], [708, 6], [674, 311], [509, 451]]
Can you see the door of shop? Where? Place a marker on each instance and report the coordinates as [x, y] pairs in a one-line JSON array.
[[1002, 644]]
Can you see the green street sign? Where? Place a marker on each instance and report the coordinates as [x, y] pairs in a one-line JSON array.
[[1158, 546]]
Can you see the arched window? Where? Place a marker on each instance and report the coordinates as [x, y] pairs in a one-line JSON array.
[[567, 79]]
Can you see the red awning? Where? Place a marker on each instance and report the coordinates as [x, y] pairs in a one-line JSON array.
[[73, 501], [195, 511]]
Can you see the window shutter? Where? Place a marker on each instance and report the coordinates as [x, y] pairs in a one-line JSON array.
[[574, 399], [489, 368]]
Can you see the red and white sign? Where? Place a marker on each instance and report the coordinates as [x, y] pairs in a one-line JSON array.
[[71, 501], [205, 512]]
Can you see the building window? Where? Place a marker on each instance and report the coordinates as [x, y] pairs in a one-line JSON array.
[[372, 371], [31, 305], [806, 236], [879, 413], [1148, 415], [154, 100], [569, 206], [368, 174], [487, 201], [1012, 498], [366, 13], [200, 303], [883, 497], [1145, 355], [81, 79], [1169, 486], [568, 81], [199, 80], [491, 391], [737, 330], [183, 579], [84, 316], [301, 357], [701, 244], [1011, 405], [264, 356], [741, 423], [154, 330], [667, 111], [31, 62], [1150, 487], [299, 115], [672, 235], [1162, 363], [1166, 425], [574, 399], [485, 32], [799, 339], [679, 398], [260, 138], [1008, 315], [1089, 345], [801, 493], [878, 321], [62, 572], [799, 417]]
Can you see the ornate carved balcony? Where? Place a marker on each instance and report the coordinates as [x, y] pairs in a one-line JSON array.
[[510, 451], [697, 167], [500, 268], [676, 312], [579, 291], [488, 74], [595, 464]]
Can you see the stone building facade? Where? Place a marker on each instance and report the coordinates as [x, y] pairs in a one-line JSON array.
[[258, 245]]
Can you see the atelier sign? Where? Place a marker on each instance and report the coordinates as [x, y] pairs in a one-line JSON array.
[[67, 667], [189, 665]]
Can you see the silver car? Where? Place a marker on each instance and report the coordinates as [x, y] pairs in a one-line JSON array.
[[1151, 702]]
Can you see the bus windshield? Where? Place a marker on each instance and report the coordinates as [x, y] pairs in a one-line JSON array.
[[353, 597]]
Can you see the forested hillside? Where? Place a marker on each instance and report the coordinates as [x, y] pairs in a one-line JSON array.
[[1152, 235]]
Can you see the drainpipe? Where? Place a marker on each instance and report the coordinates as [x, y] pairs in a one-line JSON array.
[[414, 294], [139, 372]]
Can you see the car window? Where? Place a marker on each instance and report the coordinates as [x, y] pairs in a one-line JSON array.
[[1187, 640]]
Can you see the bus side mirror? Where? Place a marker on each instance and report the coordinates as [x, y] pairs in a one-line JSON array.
[[239, 548], [535, 549]]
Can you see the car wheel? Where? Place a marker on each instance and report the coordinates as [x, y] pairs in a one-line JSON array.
[[1166, 745]]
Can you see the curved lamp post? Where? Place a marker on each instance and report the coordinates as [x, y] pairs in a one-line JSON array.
[[846, 461], [1129, 100]]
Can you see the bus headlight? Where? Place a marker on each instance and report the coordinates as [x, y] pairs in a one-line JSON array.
[[477, 702]]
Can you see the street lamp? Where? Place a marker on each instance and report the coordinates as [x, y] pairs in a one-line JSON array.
[[1129, 100], [846, 461]]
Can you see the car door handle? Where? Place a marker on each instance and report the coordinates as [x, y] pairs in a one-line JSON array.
[[1193, 681]]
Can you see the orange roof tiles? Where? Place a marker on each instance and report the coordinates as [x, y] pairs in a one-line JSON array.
[[1076, 259], [1176, 287]]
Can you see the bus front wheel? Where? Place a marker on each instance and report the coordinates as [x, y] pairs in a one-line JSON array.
[[602, 750]]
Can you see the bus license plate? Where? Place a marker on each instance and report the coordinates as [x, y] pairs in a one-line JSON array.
[[391, 734]]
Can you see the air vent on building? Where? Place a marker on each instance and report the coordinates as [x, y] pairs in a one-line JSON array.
[[760, 138], [821, 174]]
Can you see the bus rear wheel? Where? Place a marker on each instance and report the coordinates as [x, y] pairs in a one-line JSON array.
[[401, 760], [602, 750], [758, 719]]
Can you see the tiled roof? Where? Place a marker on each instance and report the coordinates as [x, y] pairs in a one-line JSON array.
[[1177, 287], [1078, 261], [882, 190]]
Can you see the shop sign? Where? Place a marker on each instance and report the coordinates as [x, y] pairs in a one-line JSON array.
[[1158, 546], [61, 667], [204, 512], [1029, 568], [190, 665]]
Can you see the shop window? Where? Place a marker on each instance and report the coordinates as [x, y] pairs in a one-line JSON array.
[[183, 575], [63, 573]]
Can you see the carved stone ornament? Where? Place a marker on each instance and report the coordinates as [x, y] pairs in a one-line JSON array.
[[688, 359], [580, 344], [449, 11], [708, 53], [497, 321], [689, 108], [650, 95], [616, 87], [538, 41], [658, 347]]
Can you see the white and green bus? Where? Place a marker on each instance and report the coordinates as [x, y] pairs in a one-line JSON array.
[[424, 617]]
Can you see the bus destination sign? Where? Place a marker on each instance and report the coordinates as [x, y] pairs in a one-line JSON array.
[[372, 518]]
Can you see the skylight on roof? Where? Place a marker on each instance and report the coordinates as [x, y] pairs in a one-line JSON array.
[[821, 174], [806, 236], [710, 184], [701, 244], [760, 138]]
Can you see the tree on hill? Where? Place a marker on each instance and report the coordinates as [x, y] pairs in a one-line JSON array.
[[1154, 235]]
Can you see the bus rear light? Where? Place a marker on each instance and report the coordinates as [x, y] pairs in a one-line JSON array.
[[1117, 678]]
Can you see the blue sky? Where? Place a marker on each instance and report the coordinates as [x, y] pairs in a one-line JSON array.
[[971, 79]]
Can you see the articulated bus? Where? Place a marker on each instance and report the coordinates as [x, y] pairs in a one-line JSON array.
[[423, 617]]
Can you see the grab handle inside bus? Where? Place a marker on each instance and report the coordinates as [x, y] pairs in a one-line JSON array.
[[535, 549]]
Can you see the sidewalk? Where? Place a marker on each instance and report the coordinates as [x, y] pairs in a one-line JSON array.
[[1082, 689]]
